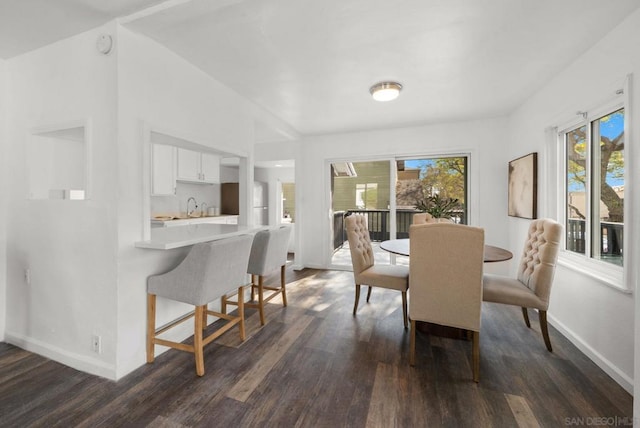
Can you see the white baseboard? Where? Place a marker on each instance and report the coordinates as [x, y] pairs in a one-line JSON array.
[[609, 368], [83, 363]]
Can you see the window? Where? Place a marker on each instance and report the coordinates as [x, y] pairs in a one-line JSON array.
[[366, 196], [594, 186]]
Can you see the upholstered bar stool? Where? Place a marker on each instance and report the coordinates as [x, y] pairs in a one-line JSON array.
[[268, 253], [209, 271]]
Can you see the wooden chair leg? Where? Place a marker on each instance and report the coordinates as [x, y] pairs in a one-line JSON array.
[[241, 312], [355, 305], [151, 327], [223, 304], [476, 356], [545, 329], [283, 290], [261, 299], [368, 294], [404, 309], [525, 314], [197, 341], [412, 344]]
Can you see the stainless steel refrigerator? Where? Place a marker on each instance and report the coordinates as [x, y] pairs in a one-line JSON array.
[[260, 203]]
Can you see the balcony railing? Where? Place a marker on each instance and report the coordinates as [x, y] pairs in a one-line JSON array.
[[378, 221], [611, 239], [611, 234]]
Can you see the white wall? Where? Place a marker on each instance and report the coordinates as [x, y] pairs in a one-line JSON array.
[[3, 200], [485, 139], [596, 317], [160, 89], [69, 246]]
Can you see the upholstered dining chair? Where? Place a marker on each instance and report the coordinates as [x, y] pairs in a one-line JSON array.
[[365, 271], [445, 280], [208, 271], [268, 253], [532, 285], [422, 218]]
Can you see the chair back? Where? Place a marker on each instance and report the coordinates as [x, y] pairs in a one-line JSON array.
[[269, 250], [445, 274], [362, 256], [538, 262], [210, 270], [421, 218]]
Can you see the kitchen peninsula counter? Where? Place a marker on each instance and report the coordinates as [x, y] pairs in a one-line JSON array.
[[168, 238]]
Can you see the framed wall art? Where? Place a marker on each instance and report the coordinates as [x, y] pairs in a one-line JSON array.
[[523, 186]]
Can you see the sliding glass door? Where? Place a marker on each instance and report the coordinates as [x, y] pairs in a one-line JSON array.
[[389, 192]]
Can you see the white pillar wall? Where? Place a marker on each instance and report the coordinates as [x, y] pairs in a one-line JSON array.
[[3, 199]]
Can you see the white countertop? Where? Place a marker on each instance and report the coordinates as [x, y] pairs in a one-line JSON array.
[[180, 221], [167, 238]]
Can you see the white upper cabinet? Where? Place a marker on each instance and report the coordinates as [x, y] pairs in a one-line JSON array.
[[188, 165], [198, 167], [163, 166], [210, 167]]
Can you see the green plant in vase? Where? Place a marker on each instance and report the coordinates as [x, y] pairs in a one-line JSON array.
[[438, 207]]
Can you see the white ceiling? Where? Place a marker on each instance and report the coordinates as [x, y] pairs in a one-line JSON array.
[[311, 63]]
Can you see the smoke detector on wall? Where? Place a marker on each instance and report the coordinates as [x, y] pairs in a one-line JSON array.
[[104, 44]]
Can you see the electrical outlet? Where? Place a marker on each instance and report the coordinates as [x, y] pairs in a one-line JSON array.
[[96, 344], [27, 276]]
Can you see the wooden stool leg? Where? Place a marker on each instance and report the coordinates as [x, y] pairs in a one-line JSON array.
[[355, 305], [283, 290], [412, 344], [545, 329], [197, 341], [241, 311], [476, 356], [151, 327], [204, 317], [223, 304], [253, 284], [261, 299]]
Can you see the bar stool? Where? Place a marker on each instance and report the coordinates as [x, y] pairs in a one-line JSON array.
[[209, 271], [268, 253]]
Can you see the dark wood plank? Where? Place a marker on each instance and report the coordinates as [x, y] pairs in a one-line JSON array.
[[327, 367]]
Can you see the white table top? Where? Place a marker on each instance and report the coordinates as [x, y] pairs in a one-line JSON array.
[[167, 238]]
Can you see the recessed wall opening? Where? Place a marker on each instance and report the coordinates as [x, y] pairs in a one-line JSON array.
[[57, 163]]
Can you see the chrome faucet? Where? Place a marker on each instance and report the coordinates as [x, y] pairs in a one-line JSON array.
[[195, 206]]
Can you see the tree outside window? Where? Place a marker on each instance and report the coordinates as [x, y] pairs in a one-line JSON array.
[[595, 187]]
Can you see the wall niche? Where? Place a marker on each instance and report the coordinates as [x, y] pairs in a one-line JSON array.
[[57, 162]]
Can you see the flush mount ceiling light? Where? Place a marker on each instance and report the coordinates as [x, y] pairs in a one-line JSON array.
[[385, 91]]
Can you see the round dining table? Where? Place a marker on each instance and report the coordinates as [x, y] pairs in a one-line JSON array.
[[491, 253]]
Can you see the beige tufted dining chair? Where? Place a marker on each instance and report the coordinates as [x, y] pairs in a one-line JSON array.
[[445, 280], [365, 271], [422, 218], [532, 286], [209, 270]]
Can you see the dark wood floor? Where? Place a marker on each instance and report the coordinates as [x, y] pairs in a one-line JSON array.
[[315, 365]]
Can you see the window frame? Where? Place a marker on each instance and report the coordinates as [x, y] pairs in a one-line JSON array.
[[607, 273]]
